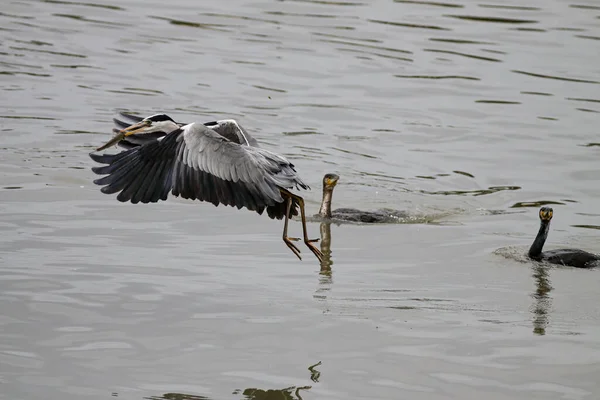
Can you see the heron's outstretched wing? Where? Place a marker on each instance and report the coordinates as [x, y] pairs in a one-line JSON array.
[[142, 173], [196, 162]]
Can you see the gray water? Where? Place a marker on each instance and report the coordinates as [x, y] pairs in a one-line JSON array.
[[477, 112]]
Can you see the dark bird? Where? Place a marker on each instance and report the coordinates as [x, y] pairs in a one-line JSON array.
[[218, 162], [570, 257], [352, 214]]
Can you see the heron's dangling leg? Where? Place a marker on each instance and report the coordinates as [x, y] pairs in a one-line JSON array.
[[307, 241], [287, 240]]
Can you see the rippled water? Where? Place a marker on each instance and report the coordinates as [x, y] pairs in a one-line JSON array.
[[476, 112]]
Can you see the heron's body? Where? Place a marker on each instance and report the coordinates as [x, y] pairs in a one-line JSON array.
[[218, 162], [569, 257], [353, 214]]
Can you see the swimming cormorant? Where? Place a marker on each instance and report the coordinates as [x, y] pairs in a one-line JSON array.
[[570, 257], [352, 214]]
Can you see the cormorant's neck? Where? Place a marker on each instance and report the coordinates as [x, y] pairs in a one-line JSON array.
[[536, 248], [325, 210]]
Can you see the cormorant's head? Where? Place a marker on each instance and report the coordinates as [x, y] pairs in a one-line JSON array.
[[546, 214], [330, 180]]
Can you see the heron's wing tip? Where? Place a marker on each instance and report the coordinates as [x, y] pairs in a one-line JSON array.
[[131, 117], [101, 158]]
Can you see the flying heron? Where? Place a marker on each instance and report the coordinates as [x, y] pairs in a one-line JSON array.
[[218, 162]]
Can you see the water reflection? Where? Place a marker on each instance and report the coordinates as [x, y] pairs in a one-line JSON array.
[[291, 393], [326, 273], [314, 373], [478, 192], [559, 78], [434, 101], [586, 226], [542, 301], [496, 20], [177, 396], [536, 204]]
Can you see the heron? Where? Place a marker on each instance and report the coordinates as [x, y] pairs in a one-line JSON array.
[[218, 162]]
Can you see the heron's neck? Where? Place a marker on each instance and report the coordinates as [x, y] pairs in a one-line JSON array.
[[325, 210], [536, 248]]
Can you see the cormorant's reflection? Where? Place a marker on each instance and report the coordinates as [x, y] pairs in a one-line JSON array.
[[291, 393], [542, 301], [326, 274]]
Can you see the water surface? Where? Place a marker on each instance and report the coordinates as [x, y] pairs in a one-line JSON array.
[[477, 111]]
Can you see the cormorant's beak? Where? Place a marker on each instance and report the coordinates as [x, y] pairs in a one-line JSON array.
[[546, 215], [130, 130], [331, 182]]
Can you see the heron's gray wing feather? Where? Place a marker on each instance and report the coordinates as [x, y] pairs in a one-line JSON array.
[[146, 187], [197, 163], [192, 183], [231, 174], [232, 130], [141, 174], [259, 172]]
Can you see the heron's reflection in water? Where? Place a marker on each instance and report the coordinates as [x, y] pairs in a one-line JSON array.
[[315, 374], [542, 301], [291, 393]]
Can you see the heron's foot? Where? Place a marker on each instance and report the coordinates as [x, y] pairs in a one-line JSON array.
[[315, 251], [294, 239], [292, 246], [313, 240]]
